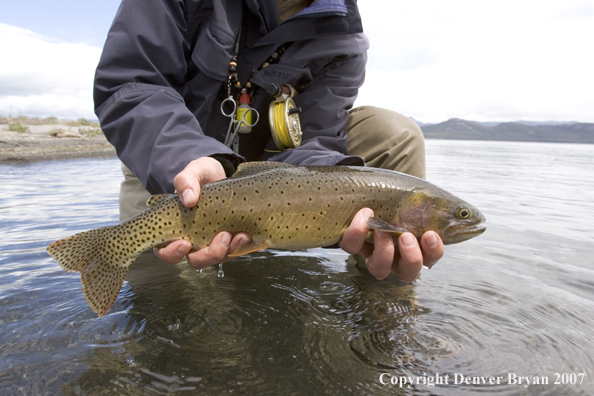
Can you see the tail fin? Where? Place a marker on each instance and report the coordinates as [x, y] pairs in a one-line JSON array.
[[102, 267]]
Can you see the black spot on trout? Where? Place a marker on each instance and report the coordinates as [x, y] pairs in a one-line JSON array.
[[303, 215]]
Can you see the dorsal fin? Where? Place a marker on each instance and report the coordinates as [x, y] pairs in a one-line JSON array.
[[251, 168], [157, 198]]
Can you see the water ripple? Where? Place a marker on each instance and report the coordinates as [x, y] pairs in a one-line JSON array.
[[515, 300]]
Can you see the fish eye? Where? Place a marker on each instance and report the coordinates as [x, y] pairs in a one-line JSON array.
[[463, 213]]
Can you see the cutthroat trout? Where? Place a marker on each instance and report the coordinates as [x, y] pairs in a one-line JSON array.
[[281, 206]]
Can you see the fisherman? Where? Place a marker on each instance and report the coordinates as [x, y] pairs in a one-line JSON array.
[[174, 75]]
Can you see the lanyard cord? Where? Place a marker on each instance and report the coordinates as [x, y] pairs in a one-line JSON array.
[[232, 78]]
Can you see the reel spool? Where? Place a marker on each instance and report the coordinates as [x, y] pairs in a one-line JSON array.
[[283, 116]]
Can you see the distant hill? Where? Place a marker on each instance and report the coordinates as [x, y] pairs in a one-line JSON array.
[[420, 123], [521, 131]]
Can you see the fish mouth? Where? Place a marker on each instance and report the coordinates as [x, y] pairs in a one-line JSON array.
[[462, 232]]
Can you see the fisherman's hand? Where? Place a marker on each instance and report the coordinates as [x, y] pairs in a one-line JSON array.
[[197, 173], [383, 257], [222, 245], [187, 185]]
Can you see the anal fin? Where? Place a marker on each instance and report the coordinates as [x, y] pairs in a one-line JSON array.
[[242, 250]]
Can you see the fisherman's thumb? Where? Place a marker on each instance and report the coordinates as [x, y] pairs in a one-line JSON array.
[[198, 172]]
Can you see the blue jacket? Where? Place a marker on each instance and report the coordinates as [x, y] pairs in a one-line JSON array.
[[163, 72]]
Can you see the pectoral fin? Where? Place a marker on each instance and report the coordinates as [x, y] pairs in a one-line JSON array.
[[249, 249], [379, 224]]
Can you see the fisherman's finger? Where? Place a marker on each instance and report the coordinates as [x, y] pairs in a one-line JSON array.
[[215, 253], [239, 240], [187, 187], [354, 236], [198, 172], [432, 247], [174, 252], [409, 266], [379, 263], [367, 250]]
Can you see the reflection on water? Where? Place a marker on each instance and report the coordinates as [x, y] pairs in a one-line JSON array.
[[518, 299]]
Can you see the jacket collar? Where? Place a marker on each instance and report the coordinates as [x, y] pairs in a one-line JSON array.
[[322, 18], [334, 7], [267, 11]]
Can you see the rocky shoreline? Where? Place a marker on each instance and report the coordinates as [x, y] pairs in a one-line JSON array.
[[25, 142]]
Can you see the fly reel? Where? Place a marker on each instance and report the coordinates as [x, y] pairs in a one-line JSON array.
[[283, 116]]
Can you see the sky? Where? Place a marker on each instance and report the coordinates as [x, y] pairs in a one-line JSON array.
[[430, 60]]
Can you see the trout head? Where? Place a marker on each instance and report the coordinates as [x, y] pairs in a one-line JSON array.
[[433, 209]]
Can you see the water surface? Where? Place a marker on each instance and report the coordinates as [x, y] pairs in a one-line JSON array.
[[518, 300]]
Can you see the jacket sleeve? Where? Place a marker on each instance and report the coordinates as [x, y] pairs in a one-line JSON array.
[[138, 93], [325, 103]]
